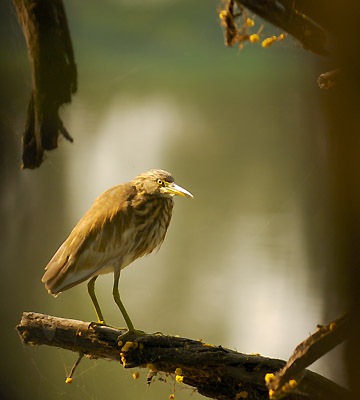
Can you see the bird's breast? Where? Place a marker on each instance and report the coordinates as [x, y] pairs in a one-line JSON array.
[[150, 222]]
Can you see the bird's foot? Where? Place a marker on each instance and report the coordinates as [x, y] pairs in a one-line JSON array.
[[129, 336], [98, 323]]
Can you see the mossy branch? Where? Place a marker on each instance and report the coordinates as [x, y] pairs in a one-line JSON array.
[[214, 371]]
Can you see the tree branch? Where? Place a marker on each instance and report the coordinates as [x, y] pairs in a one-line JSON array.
[[314, 347], [216, 372], [289, 16]]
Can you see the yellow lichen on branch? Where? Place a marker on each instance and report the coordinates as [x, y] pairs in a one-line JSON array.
[[238, 27]]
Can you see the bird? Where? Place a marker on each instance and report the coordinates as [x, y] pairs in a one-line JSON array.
[[124, 223]]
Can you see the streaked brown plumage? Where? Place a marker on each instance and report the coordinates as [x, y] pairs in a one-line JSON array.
[[124, 223]]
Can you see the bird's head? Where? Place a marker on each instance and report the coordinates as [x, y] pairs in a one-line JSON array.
[[160, 183]]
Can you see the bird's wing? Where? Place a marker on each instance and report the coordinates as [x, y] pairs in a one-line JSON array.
[[98, 240]]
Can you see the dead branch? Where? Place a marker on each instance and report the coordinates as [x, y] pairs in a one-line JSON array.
[[214, 371], [314, 347], [54, 77]]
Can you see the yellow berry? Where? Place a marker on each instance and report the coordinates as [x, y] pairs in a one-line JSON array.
[[292, 383], [223, 14], [249, 22], [268, 41], [135, 375], [269, 378], [254, 38]]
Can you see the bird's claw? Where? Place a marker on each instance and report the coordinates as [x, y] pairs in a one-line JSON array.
[[93, 324], [129, 336]]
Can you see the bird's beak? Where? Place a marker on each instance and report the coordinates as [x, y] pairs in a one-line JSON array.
[[174, 189]]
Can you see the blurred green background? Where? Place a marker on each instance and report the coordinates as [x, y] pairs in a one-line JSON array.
[[245, 264]]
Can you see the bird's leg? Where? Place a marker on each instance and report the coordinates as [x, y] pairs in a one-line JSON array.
[[91, 290], [122, 339], [119, 303]]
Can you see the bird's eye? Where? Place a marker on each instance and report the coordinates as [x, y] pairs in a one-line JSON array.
[[160, 182]]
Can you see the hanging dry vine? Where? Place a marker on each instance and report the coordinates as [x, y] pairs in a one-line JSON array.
[[54, 77]]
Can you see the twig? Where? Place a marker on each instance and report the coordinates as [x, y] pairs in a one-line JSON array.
[[328, 80], [72, 372]]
